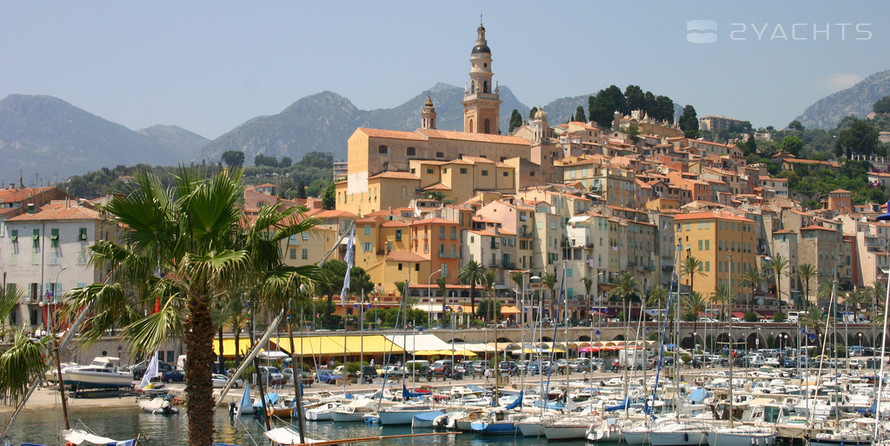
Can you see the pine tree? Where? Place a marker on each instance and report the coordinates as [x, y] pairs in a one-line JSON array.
[[515, 120], [579, 115]]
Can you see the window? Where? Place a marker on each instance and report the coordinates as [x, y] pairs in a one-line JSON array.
[[463, 170], [412, 151], [53, 258], [367, 247], [441, 232], [293, 253], [398, 235], [305, 254], [429, 170], [444, 270], [484, 173], [506, 174], [382, 149], [54, 237], [400, 266], [293, 239], [440, 154], [707, 245], [83, 235], [453, 233], [305, 236], [14, 235], [367, 230]]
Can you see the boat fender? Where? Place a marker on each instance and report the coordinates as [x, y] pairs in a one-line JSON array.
[[686, 437], [612, 428]]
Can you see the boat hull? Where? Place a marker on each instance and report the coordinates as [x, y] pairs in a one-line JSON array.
[[497, 428], [531, 429], [347, 417], [391, 418], [682, 438], [741, 439], [568, 432], [87, 380]]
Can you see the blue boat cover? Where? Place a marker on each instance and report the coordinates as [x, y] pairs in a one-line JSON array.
[[515, 402], [406, 394], [621, 406]]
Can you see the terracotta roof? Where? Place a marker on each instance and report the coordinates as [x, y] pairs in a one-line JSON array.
[[434, 221], [476, 137], [396, 175], [708, 215], [477, 159], [484, 232], [330, 213], [394, 224], [405, 256], [839, 191], [817, 228], [58, 211], [392, 134], [17, 195], [437, 186]]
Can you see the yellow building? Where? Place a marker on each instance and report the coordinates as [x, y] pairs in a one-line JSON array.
[[710, 237]]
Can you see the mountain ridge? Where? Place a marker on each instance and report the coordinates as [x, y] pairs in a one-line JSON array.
[[856, 100]]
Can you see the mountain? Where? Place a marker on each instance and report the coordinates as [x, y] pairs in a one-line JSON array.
[[53, 139], [323, 122], [856, 100], [174, 136]]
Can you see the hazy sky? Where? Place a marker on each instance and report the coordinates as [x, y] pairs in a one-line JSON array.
[[208, 66]]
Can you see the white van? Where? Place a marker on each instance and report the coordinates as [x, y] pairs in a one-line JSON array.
[[794, 316]]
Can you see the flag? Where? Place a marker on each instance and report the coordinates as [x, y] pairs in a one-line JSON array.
[[350, 261]]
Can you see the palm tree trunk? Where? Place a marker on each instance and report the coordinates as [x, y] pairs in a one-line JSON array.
[[473, 300], [237, 330], [221, 358], [199, 358], [298, 381]]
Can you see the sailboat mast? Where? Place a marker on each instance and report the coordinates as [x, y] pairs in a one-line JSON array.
[[731, 341], [677, 331]]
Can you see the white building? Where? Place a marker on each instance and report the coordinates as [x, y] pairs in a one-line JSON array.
[[45, 252]]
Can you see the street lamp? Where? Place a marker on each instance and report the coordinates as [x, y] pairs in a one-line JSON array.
[[694, 341], [429, 300]]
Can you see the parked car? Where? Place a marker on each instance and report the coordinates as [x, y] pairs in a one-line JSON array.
[[392, 371], [172, 376], [272, 376], [788, 362], [326, 376], [138, 370], [508, 367], [220, 381]]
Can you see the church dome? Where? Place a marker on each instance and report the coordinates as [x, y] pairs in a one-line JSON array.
[[541, 114], [481, 49]]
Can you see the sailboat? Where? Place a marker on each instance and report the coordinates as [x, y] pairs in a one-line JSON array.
[[77, 436], [245, 405]]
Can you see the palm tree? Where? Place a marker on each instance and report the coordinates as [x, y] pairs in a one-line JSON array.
[[22, 363], [183, 248], [805, 272], [813, 319], [856, 298], [443, 290], [518, 278], [752, 277], [488, 280], [778, 267], [694, 304], [626, 287], [471, 274], [588, 284], [659, 297], [723, 295], [693, 267], [549, 281]]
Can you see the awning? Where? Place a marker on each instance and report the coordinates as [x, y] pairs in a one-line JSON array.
[[509, 309], [337, 345], [229, 346], [418, 342]]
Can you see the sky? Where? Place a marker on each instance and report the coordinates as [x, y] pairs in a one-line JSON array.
[[209, 66]]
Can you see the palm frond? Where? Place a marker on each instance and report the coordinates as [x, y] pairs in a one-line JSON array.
[[20, 364], [146, 334]]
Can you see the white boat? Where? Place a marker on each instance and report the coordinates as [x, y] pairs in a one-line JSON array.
[[102, 373], [606, 431], [679, 434], [77, 436], [844, 437], [245, 406], [742, 436], [402, 414], [354, 411], [448, 421], [569, 428], [322, 412], [158, 405], [425, 420]]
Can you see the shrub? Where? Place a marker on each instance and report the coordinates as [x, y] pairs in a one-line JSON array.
[[750, 316]]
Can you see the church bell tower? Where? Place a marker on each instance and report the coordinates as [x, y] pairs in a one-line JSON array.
[[481, 99]]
